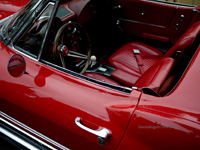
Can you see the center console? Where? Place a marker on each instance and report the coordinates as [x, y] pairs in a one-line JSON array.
[[96, 67]]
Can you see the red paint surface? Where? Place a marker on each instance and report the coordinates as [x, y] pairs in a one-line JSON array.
[[9, 7]]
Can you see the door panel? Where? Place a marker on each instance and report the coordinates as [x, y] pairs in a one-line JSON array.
[[155, 19], [48, 101], [133, 9]]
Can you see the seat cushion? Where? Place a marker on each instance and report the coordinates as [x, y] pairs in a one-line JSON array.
[[155, 76], [101, 78], [125, 60]]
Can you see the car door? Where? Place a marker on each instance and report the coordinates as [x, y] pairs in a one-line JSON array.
[[155, 19], [62, 109]]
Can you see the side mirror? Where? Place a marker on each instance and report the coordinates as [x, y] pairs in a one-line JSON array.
[[16, 65]]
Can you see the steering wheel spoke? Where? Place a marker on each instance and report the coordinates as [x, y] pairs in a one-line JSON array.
[[77, 55]]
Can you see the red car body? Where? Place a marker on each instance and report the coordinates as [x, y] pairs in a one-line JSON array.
[[10, 7], [44, 102]]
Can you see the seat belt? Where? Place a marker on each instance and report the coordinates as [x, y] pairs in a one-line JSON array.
[[139, 60]]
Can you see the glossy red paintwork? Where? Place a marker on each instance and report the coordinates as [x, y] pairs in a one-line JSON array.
[[9, 7], [49, 100], [151, 129]]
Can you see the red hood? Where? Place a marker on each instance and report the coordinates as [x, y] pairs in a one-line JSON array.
[[9, 7]]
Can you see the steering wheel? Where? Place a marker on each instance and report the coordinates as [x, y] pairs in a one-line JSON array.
[[72, 47]]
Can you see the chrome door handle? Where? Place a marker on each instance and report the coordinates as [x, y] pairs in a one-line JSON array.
[[101, 132]]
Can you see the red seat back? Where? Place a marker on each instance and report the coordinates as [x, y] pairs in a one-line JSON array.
[[155, 76], [186, 40]]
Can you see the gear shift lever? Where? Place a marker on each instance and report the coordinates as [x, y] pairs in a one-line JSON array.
[[93, 60]]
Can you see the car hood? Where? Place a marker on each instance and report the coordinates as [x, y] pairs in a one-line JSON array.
[[9, 7]]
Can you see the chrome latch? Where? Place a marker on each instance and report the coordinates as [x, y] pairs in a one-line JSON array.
[[101, 133]]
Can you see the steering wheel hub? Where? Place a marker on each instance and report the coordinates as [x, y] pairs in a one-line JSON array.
[[64, 50]]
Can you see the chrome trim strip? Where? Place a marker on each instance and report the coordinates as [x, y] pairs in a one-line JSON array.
[[133, 21], [134, 88], [13, 121], [17, 139]]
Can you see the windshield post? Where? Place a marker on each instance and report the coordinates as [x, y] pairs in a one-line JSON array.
[[48, 29], [18, 20]]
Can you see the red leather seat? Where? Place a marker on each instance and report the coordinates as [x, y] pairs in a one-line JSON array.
[[127, 67]]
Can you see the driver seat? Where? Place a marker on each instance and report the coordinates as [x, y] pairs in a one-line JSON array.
[[134, 59]]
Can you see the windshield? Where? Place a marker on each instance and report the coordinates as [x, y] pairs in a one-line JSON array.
[[19, 18]]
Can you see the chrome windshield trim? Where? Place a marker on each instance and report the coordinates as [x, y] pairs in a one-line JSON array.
[[23, 129], [6, 33]]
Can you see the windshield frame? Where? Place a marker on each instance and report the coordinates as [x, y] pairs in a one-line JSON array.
[[17, 22]]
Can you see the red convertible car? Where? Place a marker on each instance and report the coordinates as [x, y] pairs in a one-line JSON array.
[[100, 74]]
